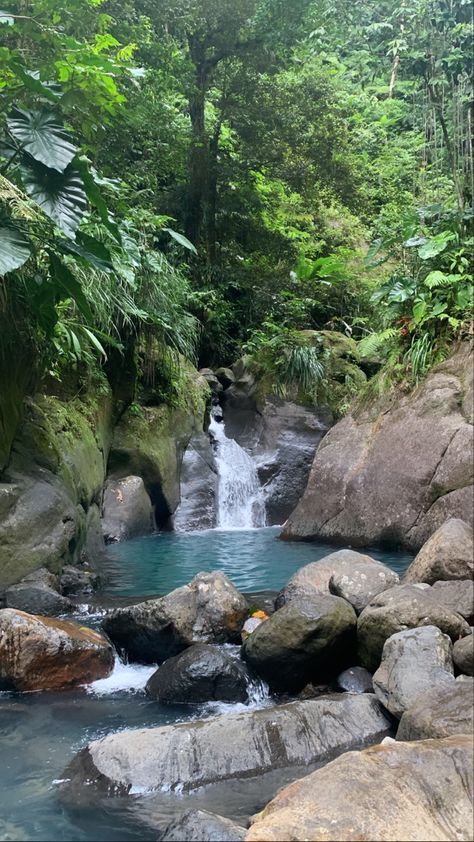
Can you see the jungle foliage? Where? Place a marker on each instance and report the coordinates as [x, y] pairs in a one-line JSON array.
[[213, 178]]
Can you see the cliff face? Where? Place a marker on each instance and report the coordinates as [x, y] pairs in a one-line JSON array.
[[398, 474]]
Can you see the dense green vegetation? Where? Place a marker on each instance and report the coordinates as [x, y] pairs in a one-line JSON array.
[[206, 179]]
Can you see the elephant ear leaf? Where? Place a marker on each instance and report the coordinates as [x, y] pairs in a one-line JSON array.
[[14, 247], [60, 195], [44, 138]]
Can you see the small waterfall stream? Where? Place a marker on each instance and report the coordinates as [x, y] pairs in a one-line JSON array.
[[240, 502]]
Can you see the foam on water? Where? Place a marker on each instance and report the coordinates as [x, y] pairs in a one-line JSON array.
[[125, 678]]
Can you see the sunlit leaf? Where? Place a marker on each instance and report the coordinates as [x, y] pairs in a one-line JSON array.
[[43, 137]]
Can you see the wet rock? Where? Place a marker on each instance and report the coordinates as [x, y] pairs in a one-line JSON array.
[[225, 376], [198, 487], [410, 791], [250, 625], [202, 673], [37, 594], [457, 596], [201, 826], [242, 745], [413, 662], [402, 607], [39, 653], [463, 654], [443, 713], [302, 641], [75, 580], [448, 554], [355, 680], [208, 610], [126, 510], [395, 471], [212, 381], [358, 575]]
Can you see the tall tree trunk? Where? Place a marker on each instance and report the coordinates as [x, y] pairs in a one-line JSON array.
[[198, 154], [438, 107], [211, 205]]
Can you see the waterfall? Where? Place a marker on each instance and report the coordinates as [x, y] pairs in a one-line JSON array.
[[240, 503]]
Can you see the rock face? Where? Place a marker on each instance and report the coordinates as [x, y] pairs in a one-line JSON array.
[[413, 662], [463, 654], [201, 826], [202, 673], [38, 653], [37, 593], [355, 680], [398, 475], [410, 791], [443, 713], [208, 610], [241, 745], [457, 596], [302, 641], [126, 510], [402, 607], [198, 487], [448, 554], [354, 576]]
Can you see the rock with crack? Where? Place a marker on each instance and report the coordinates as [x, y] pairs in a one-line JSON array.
[[443, 713], [448, 554]]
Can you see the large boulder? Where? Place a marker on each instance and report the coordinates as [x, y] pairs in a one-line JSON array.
[[446, 711], [39, 653], [302, 641], [193, 754], [202, 673], [126, 510], [37, 594], [201, 826], [463, 654], [402, 607], [413, 662], [457, 596], [198, 487], [447, 554], [208, 610], [354, 576], [411, 791], [396, 471]]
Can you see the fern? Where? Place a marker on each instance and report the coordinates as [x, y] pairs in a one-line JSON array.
[[440, 279], [370, 345]]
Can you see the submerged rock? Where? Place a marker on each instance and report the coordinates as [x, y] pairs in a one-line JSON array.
[[126, 510], [202, 673], [354, 576], [39, 653], [208, 610], [242, 745], [393, 791], [355, 680], [448, 554], [37, 594], [413, 662], [201, 826], [302, 641], [463, 654], [402, 607], [443, 712]]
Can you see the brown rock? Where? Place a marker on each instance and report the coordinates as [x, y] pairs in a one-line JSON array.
[[442, 712], [41, 653], [448, 554], [411, 791]]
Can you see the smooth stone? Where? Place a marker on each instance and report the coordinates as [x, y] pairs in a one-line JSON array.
[[242, 745], [463, 654], [202, 673], [37, 594], [443, 713], [447, 554], [126, 510], [413, 662], [400, 608], [457, 596], [412, 791], [39, 653], [74, 580], [208, 610], [355, 680], [201, 826]]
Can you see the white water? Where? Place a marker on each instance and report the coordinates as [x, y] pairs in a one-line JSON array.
[[240, 503], [124, 678]]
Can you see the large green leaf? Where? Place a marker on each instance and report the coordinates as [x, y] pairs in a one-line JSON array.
[[90, 251], [14, 247], [43, 137], [60, 195], [69, 286], [181, 239], [435, 245]]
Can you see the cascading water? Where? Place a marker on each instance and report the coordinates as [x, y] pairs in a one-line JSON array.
[[240, 503]]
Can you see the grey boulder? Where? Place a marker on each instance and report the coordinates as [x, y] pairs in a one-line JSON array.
[[37, 594], [463, 654], [402, 607], [126, 510], [355, 680], [445, 712], [201, 826], [302, 642], [207, 610], [201, 673], [413, 662], [447, 554], [457, 596]]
